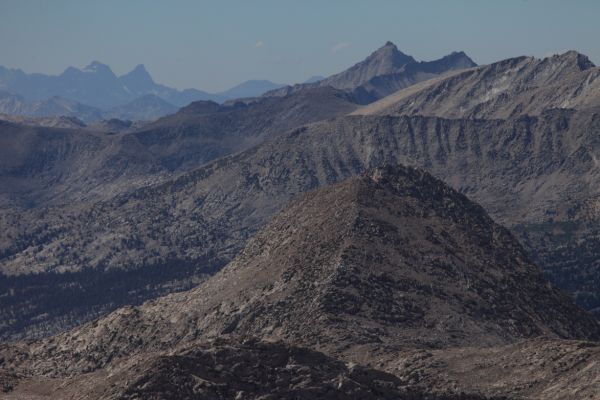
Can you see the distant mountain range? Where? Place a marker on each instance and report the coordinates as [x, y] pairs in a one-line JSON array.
[[148, 107], [95, 92], [13, 104]]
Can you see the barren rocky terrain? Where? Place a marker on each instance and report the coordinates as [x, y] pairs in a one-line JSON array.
[[392, 269]]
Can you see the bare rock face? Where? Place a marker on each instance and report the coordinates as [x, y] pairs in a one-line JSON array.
[[393, 254]]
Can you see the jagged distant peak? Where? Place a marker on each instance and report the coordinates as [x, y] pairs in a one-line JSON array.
[[389, 51], [504, 89], [385, 60], [572, 56], [97, 67], [139, 72], [390, 46], [385, 71], [457, 55]]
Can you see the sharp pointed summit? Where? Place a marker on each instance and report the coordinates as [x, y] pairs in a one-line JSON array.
[[99, 68], [385, 60], [140, 72], [389, 58], [138, 80], [383, 72]]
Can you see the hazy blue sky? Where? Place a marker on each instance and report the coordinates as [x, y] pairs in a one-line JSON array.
[[213, 45]]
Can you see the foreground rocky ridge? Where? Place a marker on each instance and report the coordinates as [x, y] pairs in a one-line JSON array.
[[227, 369], [391, 269], [538, 369]]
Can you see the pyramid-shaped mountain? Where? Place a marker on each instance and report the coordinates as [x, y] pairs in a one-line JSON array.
[[393, 258], [383, 72], [138, 80], [385, 60]]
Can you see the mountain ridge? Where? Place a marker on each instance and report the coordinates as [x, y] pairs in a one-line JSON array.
[[149, 153], [383, 72], [505, 89]]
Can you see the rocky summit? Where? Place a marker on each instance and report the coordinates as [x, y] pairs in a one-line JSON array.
[[379, 265]]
